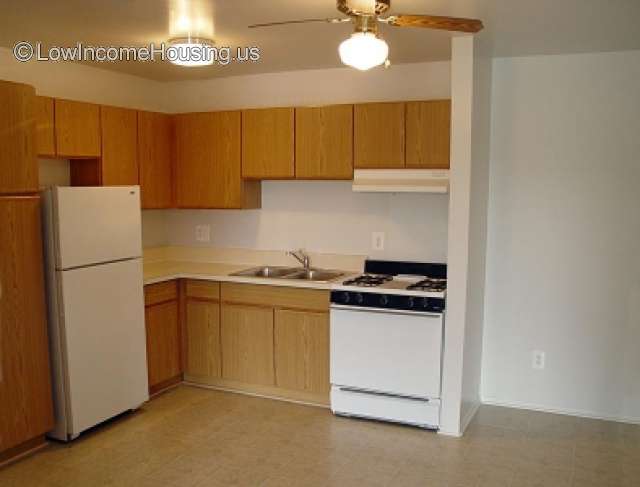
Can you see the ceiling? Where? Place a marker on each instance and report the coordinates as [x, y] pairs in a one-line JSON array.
[[515, 28]]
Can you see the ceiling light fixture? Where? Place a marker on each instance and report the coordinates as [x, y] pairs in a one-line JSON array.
[[191, 51], [363, 51]]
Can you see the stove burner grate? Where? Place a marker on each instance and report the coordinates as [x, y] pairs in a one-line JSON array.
[[368, 280], [433, 285]]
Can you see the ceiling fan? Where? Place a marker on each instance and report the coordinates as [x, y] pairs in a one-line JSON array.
[[365, 49]]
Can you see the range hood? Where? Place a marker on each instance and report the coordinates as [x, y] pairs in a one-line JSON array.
[[401, 180]]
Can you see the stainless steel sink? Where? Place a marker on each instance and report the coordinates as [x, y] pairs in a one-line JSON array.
[[267, 271], [276, 272], [317, 275]]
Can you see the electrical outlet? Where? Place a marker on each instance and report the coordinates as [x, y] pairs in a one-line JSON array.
[[203, 233], [538, 360], [377, 240]]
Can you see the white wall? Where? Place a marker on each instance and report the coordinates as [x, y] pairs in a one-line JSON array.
[[313, 87], [471, 92], [326, 217], [478, 201], [563, 271], [84, 83]]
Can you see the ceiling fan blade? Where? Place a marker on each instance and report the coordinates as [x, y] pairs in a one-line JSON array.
[[435, 22], [301, 21]]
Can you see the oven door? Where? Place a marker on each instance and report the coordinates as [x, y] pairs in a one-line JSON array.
[[388, 351]]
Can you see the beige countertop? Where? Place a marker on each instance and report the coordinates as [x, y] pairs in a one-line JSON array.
[[159, 271]]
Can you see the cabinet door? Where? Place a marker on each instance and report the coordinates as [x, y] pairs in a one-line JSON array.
[[155, 158], [25, 388], [247, 344], [119, 146], [428, 134], [302, 350], [163, 343], [77, 127], [18, 164], [267, 143], [208, 162], [379, 135], [324, 142], [45, 134], [203, 339]]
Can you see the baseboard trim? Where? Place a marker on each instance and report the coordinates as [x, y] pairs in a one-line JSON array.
[[23, 450], [164, 386], [225, 388], [567, 412], [464, 423], [452, 434]]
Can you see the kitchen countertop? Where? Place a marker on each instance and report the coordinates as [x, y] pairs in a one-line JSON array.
[[155, 272]]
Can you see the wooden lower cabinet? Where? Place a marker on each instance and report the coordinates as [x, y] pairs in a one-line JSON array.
[[301, 345], [261, 339], [203, 339], [163, 336], [26, 410], [247, 344]]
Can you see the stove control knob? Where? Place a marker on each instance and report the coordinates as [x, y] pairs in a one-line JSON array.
[[358, 298], [411, 302], [346, 297], [425, 303], [384, 300]]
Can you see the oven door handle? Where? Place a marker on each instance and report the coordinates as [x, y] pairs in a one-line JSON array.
[[363, 309]]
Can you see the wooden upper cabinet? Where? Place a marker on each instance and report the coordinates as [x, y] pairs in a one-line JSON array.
[[268, 143], [26, 409], [77, 127], [155, 159], [18, 164], [428, 134], [379, 135], [45, 132], [324, 142], [119, 146], [208, 162]]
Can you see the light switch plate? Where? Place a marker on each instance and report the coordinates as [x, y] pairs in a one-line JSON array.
[[203, 233], [377, 240]]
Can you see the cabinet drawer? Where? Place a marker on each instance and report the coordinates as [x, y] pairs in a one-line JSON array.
[[158, 293], [203, 289], [275, 296]]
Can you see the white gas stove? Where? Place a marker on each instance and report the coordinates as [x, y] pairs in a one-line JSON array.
[[386, 343]]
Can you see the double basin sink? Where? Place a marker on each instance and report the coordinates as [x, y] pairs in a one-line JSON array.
[[276, 272]]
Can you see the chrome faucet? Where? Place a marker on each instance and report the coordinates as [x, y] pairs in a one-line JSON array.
[[301, 257]]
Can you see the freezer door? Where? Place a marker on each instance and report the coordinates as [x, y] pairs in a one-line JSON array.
[[386, 351], [97, 224], [103, 335]]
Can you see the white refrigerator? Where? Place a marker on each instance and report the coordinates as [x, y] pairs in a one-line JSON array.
[[93, 255]]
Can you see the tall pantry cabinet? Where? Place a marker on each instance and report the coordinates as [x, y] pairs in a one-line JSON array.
[[26, 411]]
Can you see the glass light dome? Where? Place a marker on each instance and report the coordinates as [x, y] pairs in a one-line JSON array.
[[191, 51], [363, 50]]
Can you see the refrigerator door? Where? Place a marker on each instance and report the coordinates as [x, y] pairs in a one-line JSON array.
[[104, 342], [96, 224]]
